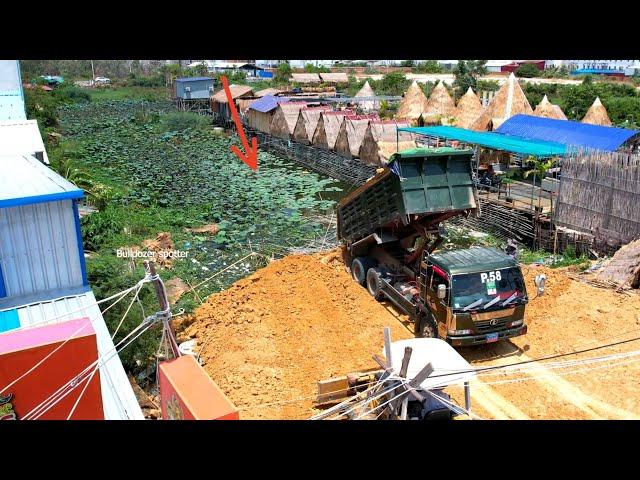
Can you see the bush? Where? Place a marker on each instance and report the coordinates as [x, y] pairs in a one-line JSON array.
[[178, 121], [42, 106], [527, 70], [69, 94], [430, 66], [394, 83], [623, 110], [154, 81]]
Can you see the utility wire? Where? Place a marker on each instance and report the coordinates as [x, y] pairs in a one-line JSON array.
[[63, 391], [50, 354]]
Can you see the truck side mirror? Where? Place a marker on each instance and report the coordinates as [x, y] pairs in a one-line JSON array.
[[442, 291]]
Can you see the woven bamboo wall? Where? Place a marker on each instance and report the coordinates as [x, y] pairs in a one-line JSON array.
[[600, 194]]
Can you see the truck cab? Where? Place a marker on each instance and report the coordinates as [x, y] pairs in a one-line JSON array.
[[475, 295], [391, 228]]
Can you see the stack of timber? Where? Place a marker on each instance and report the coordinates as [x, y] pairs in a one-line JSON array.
[[502, 220]]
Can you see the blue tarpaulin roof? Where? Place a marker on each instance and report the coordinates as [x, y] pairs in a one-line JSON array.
[[597, 71], [193, 79], [493, 140], [267, 103], [566, 132]]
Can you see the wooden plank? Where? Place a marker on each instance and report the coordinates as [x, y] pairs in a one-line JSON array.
[[332, 389], [405, 362], [422, 375], [387, 345]]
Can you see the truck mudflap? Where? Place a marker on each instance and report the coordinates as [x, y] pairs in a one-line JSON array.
[[466, 340]]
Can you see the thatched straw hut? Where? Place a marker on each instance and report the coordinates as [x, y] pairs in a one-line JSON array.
[[412, 105], [546, 109], [336, 78], [284, 119], [624, 267], [468, 110], [439, 106], [351, 134], [381, 140], [328, 128], [510, 100], [219, 99], [308, 119], [268, 91], [260, 113], [367, 91], [597, 114], [305, 78]]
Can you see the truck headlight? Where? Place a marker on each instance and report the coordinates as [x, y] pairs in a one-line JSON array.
[[516, 323], [459, 332]]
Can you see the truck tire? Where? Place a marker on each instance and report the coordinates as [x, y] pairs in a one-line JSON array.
[[374, 283], [425, 326], [359, 268]]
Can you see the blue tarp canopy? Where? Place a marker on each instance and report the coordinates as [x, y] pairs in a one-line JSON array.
[[597, 71], [566, 132], [267, 103], [493, 140]]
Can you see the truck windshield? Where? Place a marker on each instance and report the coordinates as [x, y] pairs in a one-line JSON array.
[[477, 290]]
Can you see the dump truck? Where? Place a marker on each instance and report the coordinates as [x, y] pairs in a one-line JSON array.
[[390, 228]]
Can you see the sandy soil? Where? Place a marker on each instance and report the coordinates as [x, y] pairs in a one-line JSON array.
[[269, 338]]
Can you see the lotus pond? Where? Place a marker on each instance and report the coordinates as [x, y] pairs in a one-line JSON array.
[[158, 180]]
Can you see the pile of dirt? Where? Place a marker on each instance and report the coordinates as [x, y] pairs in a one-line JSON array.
[[270, 337], [161, 245], [211, 229]]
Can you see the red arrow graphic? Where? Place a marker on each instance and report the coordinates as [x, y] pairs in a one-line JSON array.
[[251, 155]]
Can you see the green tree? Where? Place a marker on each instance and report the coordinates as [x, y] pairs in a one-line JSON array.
[[393, 83], [430, 66], [466, 75], [406, 63], [527, 70], [538, 167], [283, 73]]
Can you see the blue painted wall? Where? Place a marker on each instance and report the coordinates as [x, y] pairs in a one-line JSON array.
[[199, 89]]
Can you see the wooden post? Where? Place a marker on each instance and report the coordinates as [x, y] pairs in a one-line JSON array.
[[467, 397], [387, 345], [161, 293]]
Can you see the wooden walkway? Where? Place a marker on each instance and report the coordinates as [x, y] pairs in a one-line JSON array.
[[525, 196]]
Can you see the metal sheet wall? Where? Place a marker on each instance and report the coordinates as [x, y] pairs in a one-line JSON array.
[[38, 248]]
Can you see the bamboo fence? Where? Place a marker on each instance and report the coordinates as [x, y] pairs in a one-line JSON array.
[[600, 194]]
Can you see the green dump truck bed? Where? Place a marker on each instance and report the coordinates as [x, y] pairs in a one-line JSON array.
[[416, 183]]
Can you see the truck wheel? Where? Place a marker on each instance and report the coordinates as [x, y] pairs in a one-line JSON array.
[[374, 283], [425, 326], [359, 268]]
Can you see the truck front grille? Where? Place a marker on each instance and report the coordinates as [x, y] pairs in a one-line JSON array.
[[486, 327]]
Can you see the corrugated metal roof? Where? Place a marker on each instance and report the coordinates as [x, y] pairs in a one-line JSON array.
[[493, 140], [193, 79], [566, 132], [267, 103], [21, 136], [25, 180], [119, 401]]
